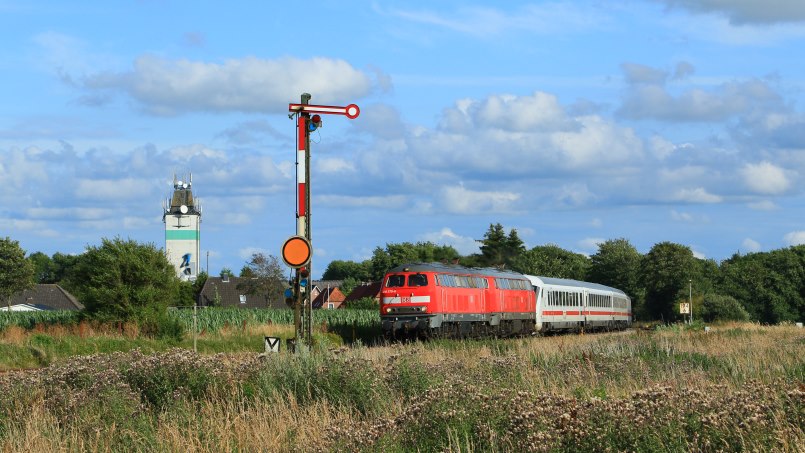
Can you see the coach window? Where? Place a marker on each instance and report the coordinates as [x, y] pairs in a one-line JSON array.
[[395, 280], [417, 280]]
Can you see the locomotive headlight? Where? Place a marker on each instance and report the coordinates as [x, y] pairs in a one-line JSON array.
[[388, 309]]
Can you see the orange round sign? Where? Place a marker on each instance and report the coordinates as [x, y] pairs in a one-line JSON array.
[[296, 251]]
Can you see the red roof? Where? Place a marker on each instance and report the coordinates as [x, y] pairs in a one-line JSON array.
[[365, 290]]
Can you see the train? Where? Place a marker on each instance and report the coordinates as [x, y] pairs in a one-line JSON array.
[[433, 300]]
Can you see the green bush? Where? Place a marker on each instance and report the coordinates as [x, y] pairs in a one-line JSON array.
[[722, 308], [364, 303]]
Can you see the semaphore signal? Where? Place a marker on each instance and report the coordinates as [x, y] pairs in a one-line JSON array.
[[298, 248]]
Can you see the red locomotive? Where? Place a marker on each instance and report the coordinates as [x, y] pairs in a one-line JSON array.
[[438, 300]]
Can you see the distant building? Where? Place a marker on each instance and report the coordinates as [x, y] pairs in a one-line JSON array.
[[182, 218], [371, 289], [327, 294], [229, 292], [43, 297]]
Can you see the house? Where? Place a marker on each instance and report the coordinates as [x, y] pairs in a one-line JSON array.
[[229, 291], [326, 296], [43, 297], [371, 289]]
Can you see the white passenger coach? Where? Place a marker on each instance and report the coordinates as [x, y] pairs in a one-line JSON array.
[[564, 304]]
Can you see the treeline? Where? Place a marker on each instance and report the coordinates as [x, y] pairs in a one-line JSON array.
[[767, 287]]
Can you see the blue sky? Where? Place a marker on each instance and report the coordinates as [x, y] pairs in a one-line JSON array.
[[573, 122]]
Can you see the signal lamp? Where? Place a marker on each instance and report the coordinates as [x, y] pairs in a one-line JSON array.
[[314, 123], [303, 272]]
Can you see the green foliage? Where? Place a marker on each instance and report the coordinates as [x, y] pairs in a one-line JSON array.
[[364, 303], [396, 254], [348, 285], [43, 267], [552, 261], [343, 270], [498, 249], [716, 307], [617, 264], [769, 285], [348, 383], [266, 279], [665, 273], [16, 272], [124, 280]]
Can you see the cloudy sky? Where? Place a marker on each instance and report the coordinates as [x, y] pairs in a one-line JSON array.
[[573, 122]]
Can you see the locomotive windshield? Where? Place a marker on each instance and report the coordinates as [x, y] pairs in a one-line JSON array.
[[395, 280], [417, 280]]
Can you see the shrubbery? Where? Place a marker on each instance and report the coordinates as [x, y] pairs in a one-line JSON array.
[[716, 307]]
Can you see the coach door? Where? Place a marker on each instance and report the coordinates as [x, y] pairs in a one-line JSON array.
[[583, 309]]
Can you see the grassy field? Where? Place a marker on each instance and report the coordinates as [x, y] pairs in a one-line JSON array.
[[37, 339], [736, 388]]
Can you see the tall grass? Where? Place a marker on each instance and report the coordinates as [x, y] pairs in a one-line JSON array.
[[736, 388]]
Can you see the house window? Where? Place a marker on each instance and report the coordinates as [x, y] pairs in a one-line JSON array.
[[330, 305], [243, 298]]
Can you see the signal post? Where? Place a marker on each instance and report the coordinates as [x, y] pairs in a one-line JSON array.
[[297, 251]]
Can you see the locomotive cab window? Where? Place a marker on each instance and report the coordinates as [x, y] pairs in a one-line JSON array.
[[417, 280], [395, 280]]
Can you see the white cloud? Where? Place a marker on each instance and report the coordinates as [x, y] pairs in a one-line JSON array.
[[697, 195], [764, 205], [765, 178], [540, 111], [247, 252], [699, 255], [596, 223], [111, 189], [482, 22], [660, 147], [464, 245], [795, 238], [741, 12], [648, 97], [577, 194], [681, 216], [334, 165], [458, 200], [378, 202], [751, 245], [249, 84], [590, 244]]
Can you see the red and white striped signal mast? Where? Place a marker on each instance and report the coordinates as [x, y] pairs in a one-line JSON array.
[[308, 120]]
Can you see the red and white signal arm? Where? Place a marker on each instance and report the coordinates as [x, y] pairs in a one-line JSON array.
[[351, 111]]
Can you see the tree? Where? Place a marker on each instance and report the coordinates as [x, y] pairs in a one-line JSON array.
[[348, 285], [666, 269], [406, 252], [769, 285], [498, 249], [189, 291], [342, 270], [62, 266], [16, 272], [226, 272], [123, 280], [617, 264], [266, 279], [552, 261], [43, 267], [716, 307]]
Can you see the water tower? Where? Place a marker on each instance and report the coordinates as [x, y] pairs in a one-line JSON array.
[[182, 218]]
